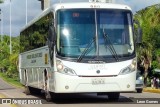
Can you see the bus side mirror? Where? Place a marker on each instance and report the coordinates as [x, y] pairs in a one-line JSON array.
[[51, 43], [138, 32], [52, 36]]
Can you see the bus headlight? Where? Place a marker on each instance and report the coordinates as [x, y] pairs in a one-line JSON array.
[[129, 69], [63, 69]]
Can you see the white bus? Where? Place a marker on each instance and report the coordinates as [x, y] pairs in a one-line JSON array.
[[79, 48]]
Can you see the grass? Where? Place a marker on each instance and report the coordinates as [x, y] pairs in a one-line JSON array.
[[13, 81]]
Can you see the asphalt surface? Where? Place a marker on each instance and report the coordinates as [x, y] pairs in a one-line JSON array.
[[76, 100], [5, 86]]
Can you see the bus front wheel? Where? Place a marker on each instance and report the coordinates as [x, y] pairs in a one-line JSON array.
[[48, 96], [113, 96]]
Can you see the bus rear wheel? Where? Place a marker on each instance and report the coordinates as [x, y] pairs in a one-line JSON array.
[[27, 90]]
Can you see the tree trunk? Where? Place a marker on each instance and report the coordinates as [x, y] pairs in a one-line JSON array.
[[145, 78], [146, 66]]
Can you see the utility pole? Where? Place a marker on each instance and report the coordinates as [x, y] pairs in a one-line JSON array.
[[10, 28], [1, 13], [26, 11], [44, 4]]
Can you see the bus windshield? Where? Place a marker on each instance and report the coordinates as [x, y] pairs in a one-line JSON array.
[[77, 30]]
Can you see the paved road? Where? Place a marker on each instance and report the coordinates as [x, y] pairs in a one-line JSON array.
[[79, 100], [4, 85]]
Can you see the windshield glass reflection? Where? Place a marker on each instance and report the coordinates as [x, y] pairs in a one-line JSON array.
[[77, 28]]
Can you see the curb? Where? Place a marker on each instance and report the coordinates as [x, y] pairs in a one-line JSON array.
[[152, 90]]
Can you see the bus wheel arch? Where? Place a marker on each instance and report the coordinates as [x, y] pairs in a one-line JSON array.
[[27, 90]]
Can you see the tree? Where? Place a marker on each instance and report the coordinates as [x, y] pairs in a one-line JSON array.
[[1, 1], [145, 59], [9, 62], [150, 24]]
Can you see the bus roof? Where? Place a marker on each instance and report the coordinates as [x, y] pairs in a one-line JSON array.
[[80, 5], [89, 5]]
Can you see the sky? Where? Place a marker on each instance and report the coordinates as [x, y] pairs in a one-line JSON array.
[[18, 12]]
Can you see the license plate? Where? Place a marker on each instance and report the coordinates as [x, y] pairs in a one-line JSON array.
[[98, 81]]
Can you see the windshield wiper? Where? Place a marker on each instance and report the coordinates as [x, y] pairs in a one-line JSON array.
[[110, 46], [86, 49]]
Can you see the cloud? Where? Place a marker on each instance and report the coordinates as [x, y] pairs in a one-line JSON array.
[[6, 2], [18, 14]]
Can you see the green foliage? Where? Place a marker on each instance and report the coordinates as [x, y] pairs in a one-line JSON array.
[[158, 52], [150, 23], [155, 64], [1, 1], [149, 50], [9, 62]]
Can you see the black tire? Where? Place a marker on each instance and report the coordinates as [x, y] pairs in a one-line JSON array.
[[139, 90], [48, 96], [113, 96]]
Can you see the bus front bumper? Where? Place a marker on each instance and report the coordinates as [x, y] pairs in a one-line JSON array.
[[75, 84]]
